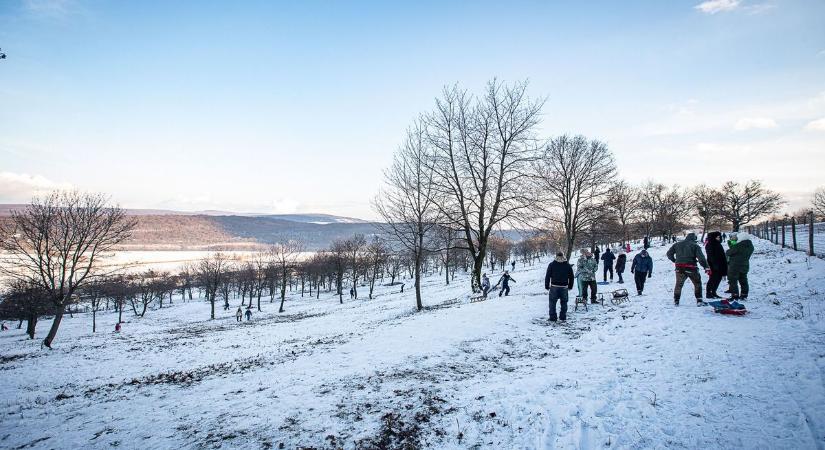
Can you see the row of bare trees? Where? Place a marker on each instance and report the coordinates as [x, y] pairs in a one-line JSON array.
[[475, 164]]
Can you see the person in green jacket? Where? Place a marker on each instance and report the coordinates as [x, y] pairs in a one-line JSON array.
[[740, 249], [586, 272]]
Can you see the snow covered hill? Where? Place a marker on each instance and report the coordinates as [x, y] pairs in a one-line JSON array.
[[493, 374]]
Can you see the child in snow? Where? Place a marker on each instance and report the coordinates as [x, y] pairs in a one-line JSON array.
[[505, 283], [117, 327], [485, 284], [248, 314], [608, 258], [621, 261], [238, 315], [3, 327]]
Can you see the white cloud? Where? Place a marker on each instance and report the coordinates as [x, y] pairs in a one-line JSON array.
[[749, 123], [21, 187], [816, 125], [715, 6]]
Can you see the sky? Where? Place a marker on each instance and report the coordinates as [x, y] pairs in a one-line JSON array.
[[297, 107]]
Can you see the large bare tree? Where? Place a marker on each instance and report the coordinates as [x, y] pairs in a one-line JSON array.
[[408, 202], [624, 202], [56, 244], [573, 179], [483, 148], [742, 203], [707, 204]]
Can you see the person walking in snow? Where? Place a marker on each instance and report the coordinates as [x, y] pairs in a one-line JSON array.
[[485, 284], [586, 268], [248, 314], [558, 280], [685, 254], [740, 249], [621, 262], [608, 257], [642, 269], [238, 315], [513, 264], [596, 253], [504, 281], [646, 243], [717, 261]]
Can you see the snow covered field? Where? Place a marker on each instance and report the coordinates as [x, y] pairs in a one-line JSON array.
[[493, 374]]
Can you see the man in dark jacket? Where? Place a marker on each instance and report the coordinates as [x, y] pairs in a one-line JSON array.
[[717, 261], [621, 261], [559, 280], [685, 254], [596, 253], [642, 268], [739, 255], [608, 258]]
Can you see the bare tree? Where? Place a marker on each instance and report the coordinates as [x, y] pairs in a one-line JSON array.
[[285, 257], [483, 148], [212, 272], [573, 178], [744, 203], [376, 256], [57, 242], [707, 204], [407, 204], [623, 201], [819, 202], [664, 209]]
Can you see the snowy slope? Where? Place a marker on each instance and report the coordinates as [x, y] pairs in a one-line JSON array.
[[494, 374]]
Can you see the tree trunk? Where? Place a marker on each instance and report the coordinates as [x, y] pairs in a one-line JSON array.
[[212, 303], [58, 317], [418, 303], [31, 324]]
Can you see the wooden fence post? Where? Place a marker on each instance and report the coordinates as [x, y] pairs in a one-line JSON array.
[[793, 232], [783, 233], [811, 233]]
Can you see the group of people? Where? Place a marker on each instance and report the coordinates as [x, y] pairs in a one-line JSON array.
[[239, 314], [733, 263], [504, 281], [686, 255]]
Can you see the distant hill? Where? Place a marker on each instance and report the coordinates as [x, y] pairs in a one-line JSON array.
[[217, 230]]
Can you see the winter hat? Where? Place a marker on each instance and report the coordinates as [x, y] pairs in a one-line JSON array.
[[560, 257], [691, 237], [586, 252], [734, 236]]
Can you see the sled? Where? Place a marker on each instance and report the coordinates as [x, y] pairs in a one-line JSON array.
[[602, 283], [477, 298], [728, 307], [619, 296]]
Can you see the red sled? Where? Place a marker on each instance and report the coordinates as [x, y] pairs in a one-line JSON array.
[[732, 312]]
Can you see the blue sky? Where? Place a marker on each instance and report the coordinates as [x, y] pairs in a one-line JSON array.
[[297, 107]]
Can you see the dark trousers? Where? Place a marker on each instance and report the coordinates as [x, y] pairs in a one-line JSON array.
[[640, 278], [504, 290], [713, 283], [619, 274], [558, 294], [592, 286], [693, 276], [608, 268], [737, 281]]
